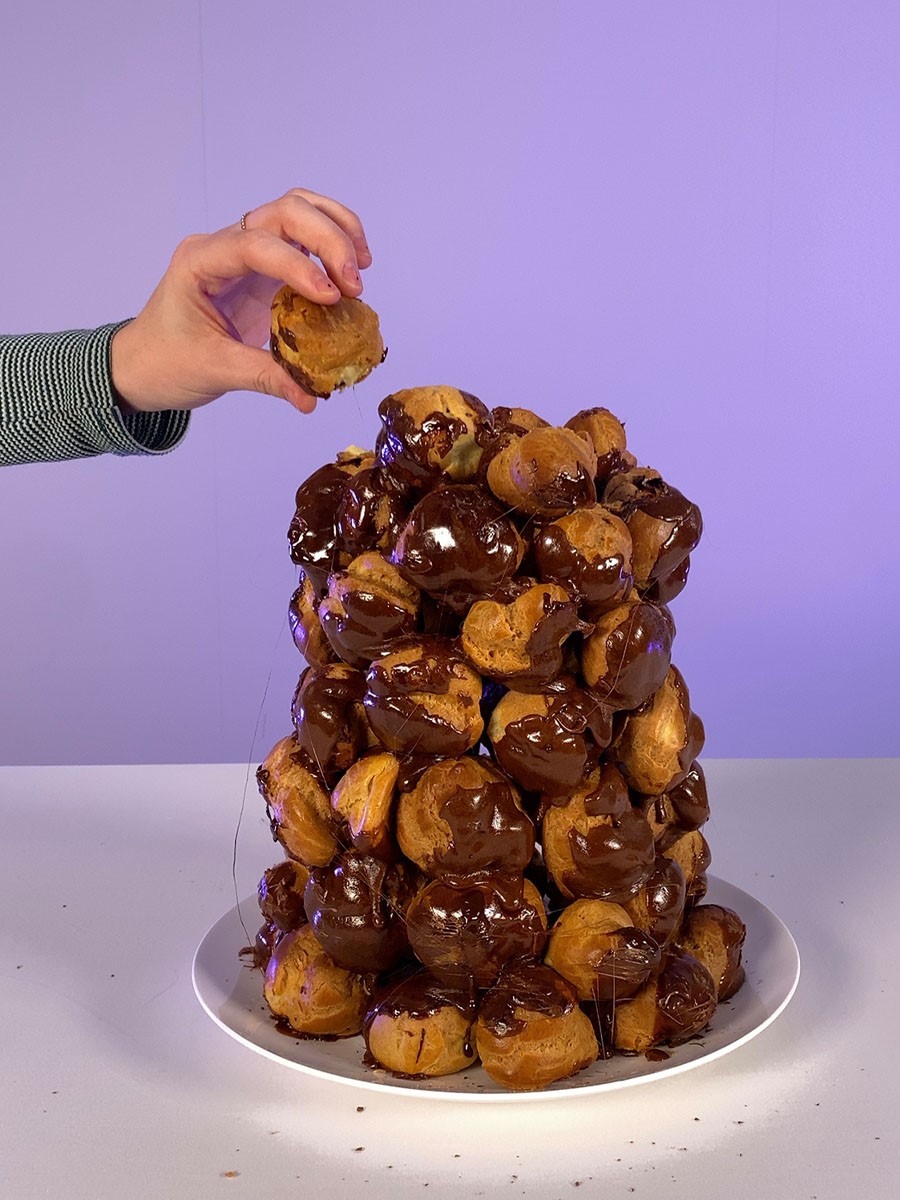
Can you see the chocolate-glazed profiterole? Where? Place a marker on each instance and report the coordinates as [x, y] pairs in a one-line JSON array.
[[356, 908], [306, 629], [310, 993], [280, 894], [596, 844], [363, 800], [463, 817], [518, 637], [368, 606], [325, 347], [715, 935], [418, 1027], [458, 544], [530, 1030], [664, 525], [423, 698], [589, 552], [627, 656], [594, 945], [659, 742], [312, 537], [692, 854], [297, 804], [658, 906], [431, 435], [682, 808], [328, 716], [464, 933], [370, 511], [670, 1008], [606, 434], [545, 472], [546, 741]]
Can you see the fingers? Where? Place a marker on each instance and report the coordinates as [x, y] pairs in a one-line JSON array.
[[216, 260], [324, 227]]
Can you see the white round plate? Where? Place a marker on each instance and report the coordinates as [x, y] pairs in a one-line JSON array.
[[231, 994]]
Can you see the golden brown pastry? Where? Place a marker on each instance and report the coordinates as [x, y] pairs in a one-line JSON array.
[[310, 992], [594, 945], [530, 1030], [464, 817], [691, 852], [431, 435], [659, 742], [587, 550], [607, 435], [424, 698], [518, 637], [465, 932], [306, 629], [658, 905], [545, 741], [714, 935], [363, 799], [664, 525], [325, 347], [297, 804], [627, 656], [670, 1008], [596, 844], [418, 1027], [545, 472], [368, 606]]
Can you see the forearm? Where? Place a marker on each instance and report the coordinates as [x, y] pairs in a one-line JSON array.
[[57, 401]]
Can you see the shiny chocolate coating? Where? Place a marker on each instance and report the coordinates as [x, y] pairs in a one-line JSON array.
[[714, 922], [423, 697], [665, 526], [417, 452], [685, 999], [370, 512], [458, 544], [611, 859], [549, 751], [659, 905], [478, 807], [627, 966], [464, 934], [306, 630], [689, 800], [360, 621], [356, 910], [525, 987], [664, 590], [636, 654], [280, 894], [312, 536], [415, 992], [328, 717], [599, 583]]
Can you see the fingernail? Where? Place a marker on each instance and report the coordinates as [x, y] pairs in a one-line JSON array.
[[324, 284], [363, 250], [351, 274]]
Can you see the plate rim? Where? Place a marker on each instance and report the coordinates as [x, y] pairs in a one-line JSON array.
[[432, 1089]]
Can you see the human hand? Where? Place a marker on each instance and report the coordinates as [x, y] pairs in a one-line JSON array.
[[200, 334]]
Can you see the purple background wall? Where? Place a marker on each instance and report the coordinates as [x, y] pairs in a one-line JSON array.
[[687, 212]]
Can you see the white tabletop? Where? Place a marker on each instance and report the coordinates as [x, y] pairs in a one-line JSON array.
[[116, 1083]]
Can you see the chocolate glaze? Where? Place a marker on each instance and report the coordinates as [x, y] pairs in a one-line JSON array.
[[612, 858], [328, 718], [609, 796], [365, 621], [465, 934], [525, 986], [267, 937], [488, 829], [685, 999], [731, 931], [688, 798], [645, 491], [599, 584], [627, 967], [638, 655], [280, 894], [411, 452], [396, 699], [369, 512], [305, 627], [458, 545], [662, 591], [663, 893], [356, 910], [312, 536]]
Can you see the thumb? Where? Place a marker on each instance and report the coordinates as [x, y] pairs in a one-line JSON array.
[[250, 369]]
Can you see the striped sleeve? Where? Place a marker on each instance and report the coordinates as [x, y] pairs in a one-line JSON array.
[[57, 401]]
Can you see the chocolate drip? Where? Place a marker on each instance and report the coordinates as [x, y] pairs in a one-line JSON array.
[[488, 831], [611, 859], [525, 987], [686, 999], [280, 894], [599, 583], [412, 451], [312, 536], [369, 622], [327, 714], [369, 512]]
